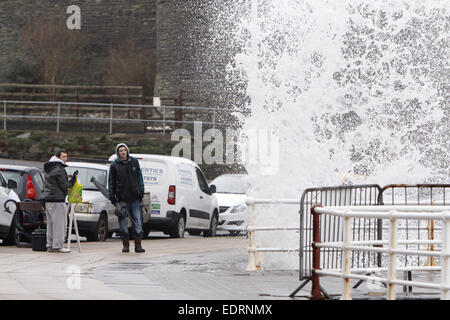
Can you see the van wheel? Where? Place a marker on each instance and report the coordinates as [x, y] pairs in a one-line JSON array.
[[146, 231], [178, 230], [212, 228]]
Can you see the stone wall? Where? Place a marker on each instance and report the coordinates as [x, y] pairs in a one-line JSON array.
[[191, 55], [176, 46], [106, 23], [188, 57]]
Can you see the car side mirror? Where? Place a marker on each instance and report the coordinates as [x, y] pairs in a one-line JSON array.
[[12, 184], [212, 189]]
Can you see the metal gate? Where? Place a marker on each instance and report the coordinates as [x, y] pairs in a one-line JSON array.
[[331, 227]]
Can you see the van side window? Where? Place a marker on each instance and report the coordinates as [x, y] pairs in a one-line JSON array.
[[202, 181]]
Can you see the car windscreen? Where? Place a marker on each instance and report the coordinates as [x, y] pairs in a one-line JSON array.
[[2, 181], [16, 176], [231, 184], [38, 178], [86, 174]]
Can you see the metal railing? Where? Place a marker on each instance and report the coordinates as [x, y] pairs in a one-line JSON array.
[[254, 259], [392, 214], [104, 112], [419, 194], [365, 229], [78, 93]]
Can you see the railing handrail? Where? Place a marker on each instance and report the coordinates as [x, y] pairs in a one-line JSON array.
[[60, 86], [250, 201], [385, 211], [164, 121], [118, 105]]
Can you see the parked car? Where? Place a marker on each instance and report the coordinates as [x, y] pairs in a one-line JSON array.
[[30, 180], [7, 209], [231, 192], [29, 186], [95, 217], [181, 199]]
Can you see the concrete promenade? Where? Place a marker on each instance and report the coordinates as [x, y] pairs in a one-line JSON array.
[[27, 274], [193, 268]]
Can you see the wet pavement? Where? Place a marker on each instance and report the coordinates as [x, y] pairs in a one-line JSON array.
[[193, 268], [222, 276], [28, 274], [218, 275]]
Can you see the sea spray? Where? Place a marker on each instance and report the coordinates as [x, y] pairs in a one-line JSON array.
[[356, 91]]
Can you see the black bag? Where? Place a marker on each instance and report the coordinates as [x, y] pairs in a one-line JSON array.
[[121, 209]]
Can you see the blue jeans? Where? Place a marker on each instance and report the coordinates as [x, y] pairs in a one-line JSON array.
[[134, 210]]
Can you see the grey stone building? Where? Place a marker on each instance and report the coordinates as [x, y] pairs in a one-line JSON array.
[[178, 31]]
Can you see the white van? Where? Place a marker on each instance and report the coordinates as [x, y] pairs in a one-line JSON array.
[[180, 196]]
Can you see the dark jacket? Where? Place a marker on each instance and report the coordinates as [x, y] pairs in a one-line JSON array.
[[56, 184], [125, 182]]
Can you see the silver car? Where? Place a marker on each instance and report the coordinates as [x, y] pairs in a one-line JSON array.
[[95, 216], [231, 192]]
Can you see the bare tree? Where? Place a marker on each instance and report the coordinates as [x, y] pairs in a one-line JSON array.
[[53, 50], [127, 65]]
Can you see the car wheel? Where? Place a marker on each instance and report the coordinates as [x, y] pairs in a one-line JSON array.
[[102, 228], [178, 230], [101, 234], [12, 236], [212, 228]]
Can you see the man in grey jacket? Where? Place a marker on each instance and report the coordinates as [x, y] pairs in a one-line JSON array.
[[56, 188], [126, 185]]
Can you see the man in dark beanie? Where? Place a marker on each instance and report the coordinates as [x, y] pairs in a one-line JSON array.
[[56, 187], [126, 186]]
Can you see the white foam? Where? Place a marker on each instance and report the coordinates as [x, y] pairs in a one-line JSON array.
[[354, 89]]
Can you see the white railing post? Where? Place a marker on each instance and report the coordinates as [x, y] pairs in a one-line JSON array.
[[252, 264], [346, 259], [392, 267], [445, 263]]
